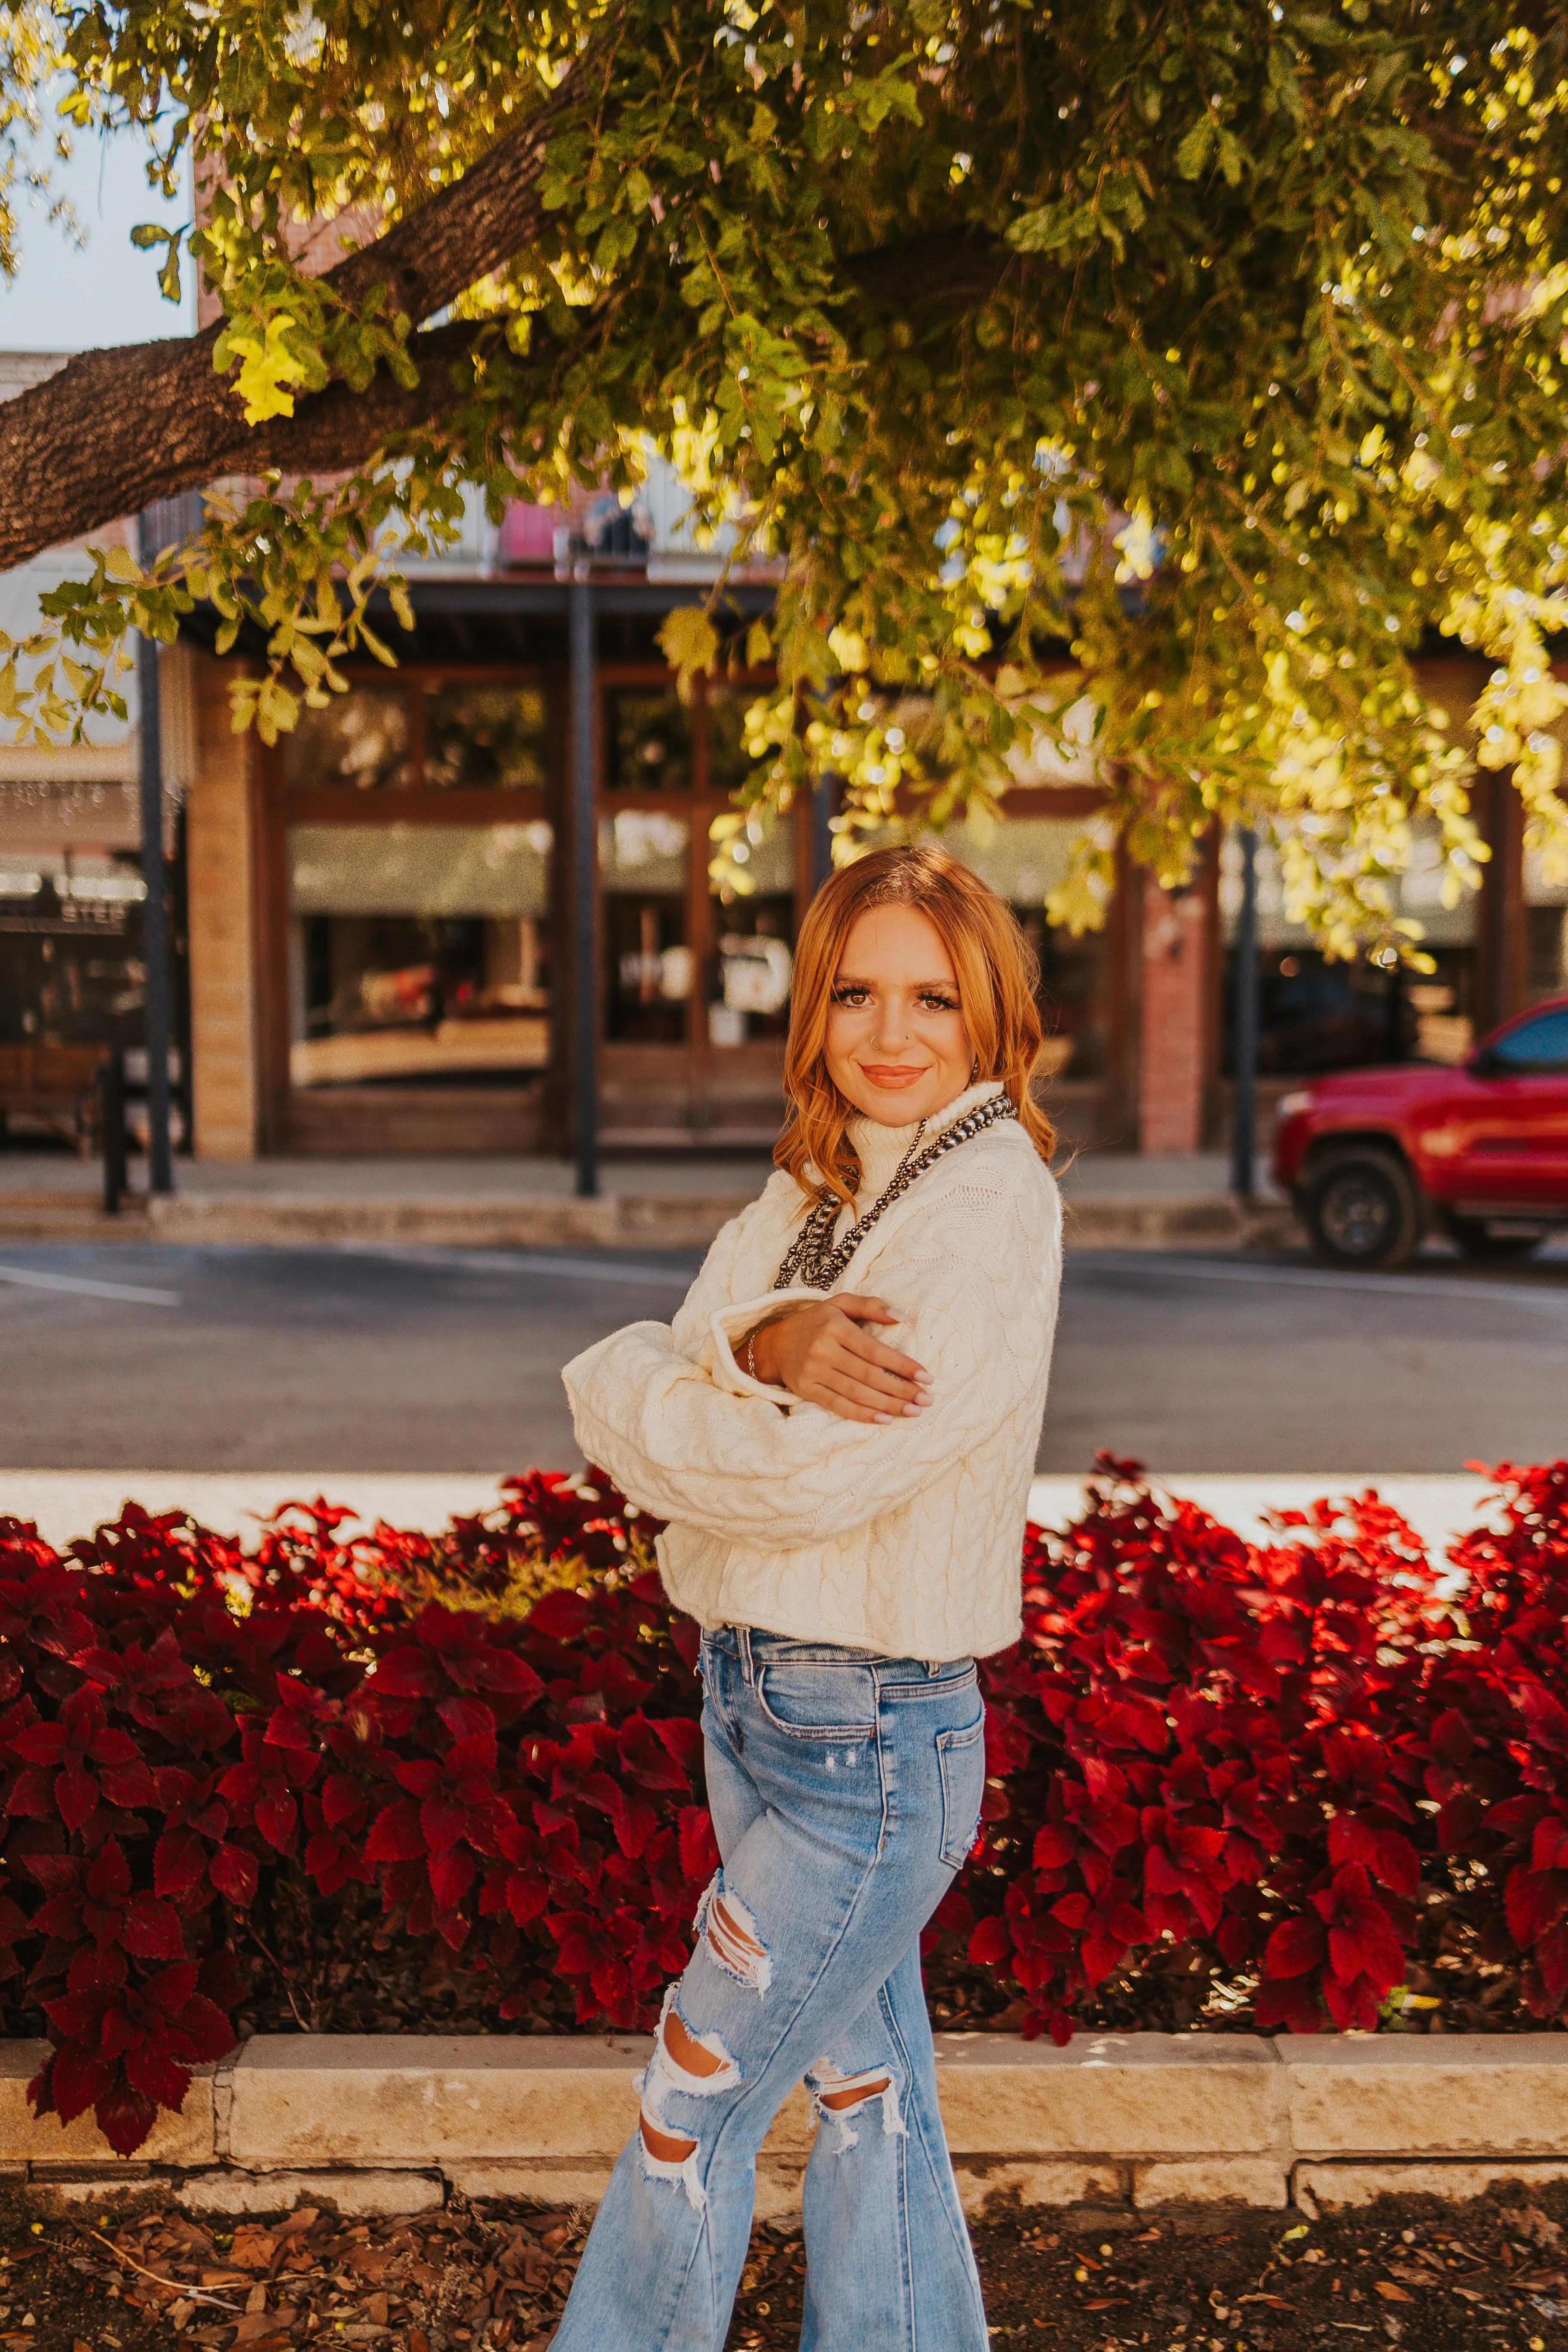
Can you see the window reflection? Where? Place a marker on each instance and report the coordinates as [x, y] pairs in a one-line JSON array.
[[418, 952], [754, 961], [479, 736], [649, 975], [647, 741], [360, 738], [728, 763]]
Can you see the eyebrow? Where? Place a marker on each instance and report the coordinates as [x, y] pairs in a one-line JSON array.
[[920, 987]]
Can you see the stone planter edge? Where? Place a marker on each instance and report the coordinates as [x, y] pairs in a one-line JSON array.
[[1114, 2123]]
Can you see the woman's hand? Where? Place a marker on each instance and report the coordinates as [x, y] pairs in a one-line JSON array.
[[823, 1356]]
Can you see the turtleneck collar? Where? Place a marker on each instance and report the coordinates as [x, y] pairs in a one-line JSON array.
[[881, 1149]]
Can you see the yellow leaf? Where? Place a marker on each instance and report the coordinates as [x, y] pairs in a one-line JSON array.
[[121, 565], [689, 642], [268, 371]]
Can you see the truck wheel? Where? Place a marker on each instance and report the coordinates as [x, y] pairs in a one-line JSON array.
[[1480, 1242], [1361, 1209]]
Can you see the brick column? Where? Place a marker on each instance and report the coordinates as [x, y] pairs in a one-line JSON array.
[[1173, 1020], [220, 865]]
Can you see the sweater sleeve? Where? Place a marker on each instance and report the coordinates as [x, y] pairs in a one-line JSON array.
[[691, 1331], [976, 1289]]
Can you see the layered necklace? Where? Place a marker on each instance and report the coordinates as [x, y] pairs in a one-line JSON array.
[[815, 1260]]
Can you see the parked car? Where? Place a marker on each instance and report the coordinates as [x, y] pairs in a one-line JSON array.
[[1375, 1158]]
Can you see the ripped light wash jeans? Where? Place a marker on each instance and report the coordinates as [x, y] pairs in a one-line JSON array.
[[845, 1793]]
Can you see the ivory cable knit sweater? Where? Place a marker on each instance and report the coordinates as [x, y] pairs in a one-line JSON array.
[[901, 1537]]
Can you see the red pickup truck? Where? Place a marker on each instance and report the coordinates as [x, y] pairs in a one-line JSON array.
[[1375, 1158]]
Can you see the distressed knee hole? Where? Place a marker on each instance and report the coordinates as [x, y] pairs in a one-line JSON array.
[[839, 2100], [694, 2065], [731, 1932], [665, 2148], [684, 2048]]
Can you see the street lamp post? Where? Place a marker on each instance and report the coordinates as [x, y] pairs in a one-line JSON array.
[[154, 904], [584, 1022], [1244, 1120]]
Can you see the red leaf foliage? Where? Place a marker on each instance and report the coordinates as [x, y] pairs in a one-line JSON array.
[[1269, 1765], [1275, 1765]]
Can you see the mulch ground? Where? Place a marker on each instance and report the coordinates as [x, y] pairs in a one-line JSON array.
[[492, 2278]]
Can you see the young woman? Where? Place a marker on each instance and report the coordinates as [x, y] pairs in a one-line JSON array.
[[845, 1525]]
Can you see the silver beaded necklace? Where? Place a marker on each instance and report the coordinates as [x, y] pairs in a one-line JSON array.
[[815, 1260]]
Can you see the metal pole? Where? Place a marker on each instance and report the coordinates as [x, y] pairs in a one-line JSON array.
[[584, 847], [154, 906], [824, 807], [112, 1109], [1244, 1120]]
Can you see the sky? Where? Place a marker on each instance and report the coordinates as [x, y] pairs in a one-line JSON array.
[[63, 300]]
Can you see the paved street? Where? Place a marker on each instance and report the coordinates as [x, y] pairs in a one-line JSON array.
[[407, 1359]]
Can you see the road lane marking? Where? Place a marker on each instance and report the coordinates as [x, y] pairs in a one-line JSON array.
[[573, 1269], [27, 1279], [1302, 1277]]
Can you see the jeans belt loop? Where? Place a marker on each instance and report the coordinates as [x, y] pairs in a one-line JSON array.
[[748, 1670]]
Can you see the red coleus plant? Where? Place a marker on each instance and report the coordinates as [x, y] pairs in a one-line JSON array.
[[1257, 1756], [1264, 1756]]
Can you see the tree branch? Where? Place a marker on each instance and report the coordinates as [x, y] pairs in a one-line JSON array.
[[112, 431]]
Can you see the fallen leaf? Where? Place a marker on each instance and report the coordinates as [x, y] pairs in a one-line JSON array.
[[1275, 2301], [1389, 2292]]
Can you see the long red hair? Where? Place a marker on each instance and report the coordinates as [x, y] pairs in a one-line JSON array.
[[998, 982]]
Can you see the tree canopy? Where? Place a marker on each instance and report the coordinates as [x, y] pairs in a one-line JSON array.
[[1176, 364]]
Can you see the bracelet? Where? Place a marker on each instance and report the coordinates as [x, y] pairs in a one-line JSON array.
[[749, 1358]]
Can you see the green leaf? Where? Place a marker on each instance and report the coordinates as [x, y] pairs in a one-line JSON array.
[[1195, 149]]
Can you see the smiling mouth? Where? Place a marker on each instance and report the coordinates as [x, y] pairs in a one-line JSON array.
[[891, 1074]]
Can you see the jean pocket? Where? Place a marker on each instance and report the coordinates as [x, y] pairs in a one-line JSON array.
[[960, 1756], [812, 1700]]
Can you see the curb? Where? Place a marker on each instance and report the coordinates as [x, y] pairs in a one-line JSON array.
[[614, 1221], [1135, 2123]]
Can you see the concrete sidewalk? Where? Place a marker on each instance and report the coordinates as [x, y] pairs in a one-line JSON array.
[[1115, 1200]]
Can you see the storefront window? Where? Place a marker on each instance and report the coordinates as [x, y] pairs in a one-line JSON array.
[[486, 736], [647, 741], [360, 738], [1546, 921], [729, 762], [418, 952], [1316, 1014], [70, 948], [398, 734], [753, 933], [650, 974]]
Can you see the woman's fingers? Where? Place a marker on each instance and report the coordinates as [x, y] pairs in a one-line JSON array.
[[887, 1360], [865, 1310], [874, 1395], [884, 1373], [848, 1407]]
